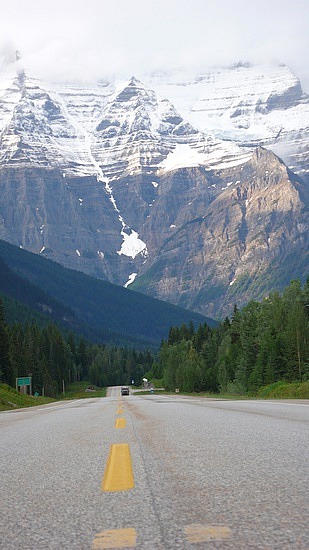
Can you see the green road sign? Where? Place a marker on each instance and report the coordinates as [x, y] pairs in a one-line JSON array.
[[25, 381]]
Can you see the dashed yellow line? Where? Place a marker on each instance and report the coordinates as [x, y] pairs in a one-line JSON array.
[[119, 410], [120, 423], [118, 475], [115, 538], [196, 533]]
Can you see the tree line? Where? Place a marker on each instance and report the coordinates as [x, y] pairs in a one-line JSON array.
[[262, 343], [265, 342], [53, 358]]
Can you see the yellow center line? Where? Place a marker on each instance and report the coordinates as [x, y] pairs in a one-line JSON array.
[[120, 423], [196, 533], [119, 411], [118, 475], [115, 538]]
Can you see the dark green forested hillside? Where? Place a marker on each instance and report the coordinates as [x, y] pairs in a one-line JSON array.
[[103, 311], [261, 344], [26, 303], [55, 359]]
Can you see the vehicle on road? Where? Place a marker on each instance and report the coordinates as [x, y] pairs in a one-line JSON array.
[[125, 390]]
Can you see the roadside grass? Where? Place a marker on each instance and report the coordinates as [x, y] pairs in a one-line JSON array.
[[157, 382], [195, 394], [284, 390], [147, 392], [78, 390], [278, 390], [11, 399]]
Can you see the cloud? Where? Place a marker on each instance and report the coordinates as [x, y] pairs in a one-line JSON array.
[[98, 38]]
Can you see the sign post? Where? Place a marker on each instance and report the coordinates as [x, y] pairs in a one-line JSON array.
[[23, 383]]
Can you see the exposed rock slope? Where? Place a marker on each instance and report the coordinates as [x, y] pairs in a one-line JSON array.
[[249, 238], [116, 183]]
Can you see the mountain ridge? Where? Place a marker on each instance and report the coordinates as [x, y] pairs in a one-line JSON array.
[[87, 304], [107, 180], [250, 104]]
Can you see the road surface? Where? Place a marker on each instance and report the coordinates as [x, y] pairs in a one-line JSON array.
[[155, 472]]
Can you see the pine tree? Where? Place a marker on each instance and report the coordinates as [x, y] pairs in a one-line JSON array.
[[296, 330], [6, 374]]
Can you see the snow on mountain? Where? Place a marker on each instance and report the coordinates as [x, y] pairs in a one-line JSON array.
[[128, 127], [83, 102], [39, 129], [132, 245], [216, 155], [36, 130], [215, 100], [134, 125], [9, 97], [153, 181], [136, 130], [262, 105]]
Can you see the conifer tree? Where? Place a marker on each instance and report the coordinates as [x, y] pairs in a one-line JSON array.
[[6, 374]]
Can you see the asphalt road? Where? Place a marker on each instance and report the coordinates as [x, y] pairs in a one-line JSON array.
[[206, 474]]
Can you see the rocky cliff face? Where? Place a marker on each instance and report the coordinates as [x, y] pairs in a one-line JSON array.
[[239, 244], [69, 220], [116, 183]]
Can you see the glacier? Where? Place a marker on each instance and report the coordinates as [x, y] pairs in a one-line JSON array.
[[251, 104]]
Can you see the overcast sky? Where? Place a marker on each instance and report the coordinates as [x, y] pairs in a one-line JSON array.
[[91, 39]]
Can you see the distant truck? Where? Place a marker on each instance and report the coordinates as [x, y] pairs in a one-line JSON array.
[[125, 390]]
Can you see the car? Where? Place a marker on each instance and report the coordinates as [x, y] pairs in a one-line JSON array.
[[125, 390]]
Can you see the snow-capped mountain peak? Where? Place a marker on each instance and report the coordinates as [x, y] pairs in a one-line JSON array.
[[136, 180], [38, 131], [136, 130], [137, 108], [255, 104]]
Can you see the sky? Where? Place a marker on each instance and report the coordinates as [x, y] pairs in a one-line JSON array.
[[101, 39]]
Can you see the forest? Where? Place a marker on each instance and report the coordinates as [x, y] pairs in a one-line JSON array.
[[55, 359], [262, 343]]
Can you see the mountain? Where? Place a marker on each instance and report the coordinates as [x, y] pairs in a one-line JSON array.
[[250, 104], [251, 237], [127, 186], [99, 310]]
